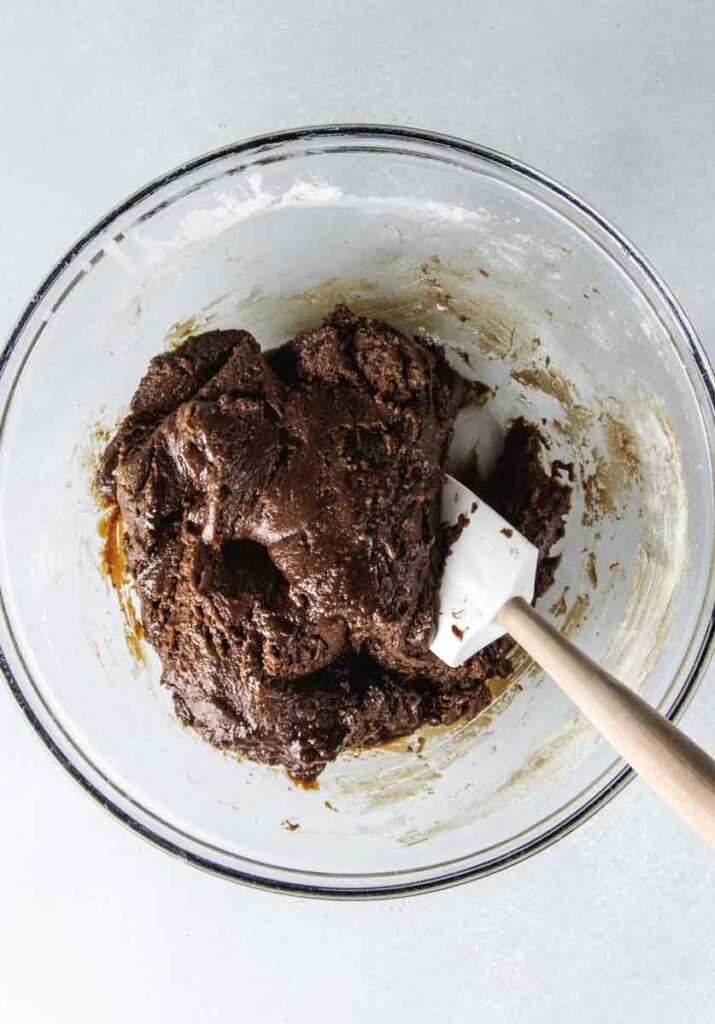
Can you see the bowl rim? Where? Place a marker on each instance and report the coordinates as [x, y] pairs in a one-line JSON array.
[[702, 656]]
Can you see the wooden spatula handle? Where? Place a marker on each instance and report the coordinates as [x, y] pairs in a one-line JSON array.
[[673, 766]]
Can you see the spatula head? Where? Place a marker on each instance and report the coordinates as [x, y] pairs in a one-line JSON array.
[[489, 563]]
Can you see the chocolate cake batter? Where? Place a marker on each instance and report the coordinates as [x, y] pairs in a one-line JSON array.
[[281, 523]]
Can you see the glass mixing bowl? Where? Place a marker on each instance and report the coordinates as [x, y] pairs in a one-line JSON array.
[[529, 290]]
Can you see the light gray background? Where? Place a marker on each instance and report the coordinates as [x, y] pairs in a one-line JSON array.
[[617, 100]]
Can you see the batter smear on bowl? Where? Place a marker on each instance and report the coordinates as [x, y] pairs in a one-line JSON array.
[[281, 525]]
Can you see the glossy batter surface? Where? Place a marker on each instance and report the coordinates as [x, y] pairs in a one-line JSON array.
[[281, 525]]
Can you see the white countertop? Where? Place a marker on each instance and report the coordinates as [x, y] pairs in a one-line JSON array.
[[615, 923]]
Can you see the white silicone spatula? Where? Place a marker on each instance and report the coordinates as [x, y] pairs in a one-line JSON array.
[[487, 589]]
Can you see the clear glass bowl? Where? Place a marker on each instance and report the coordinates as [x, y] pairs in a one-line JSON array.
[[550, 305]]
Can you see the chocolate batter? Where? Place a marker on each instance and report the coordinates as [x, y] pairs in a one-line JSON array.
[[281, 523]]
